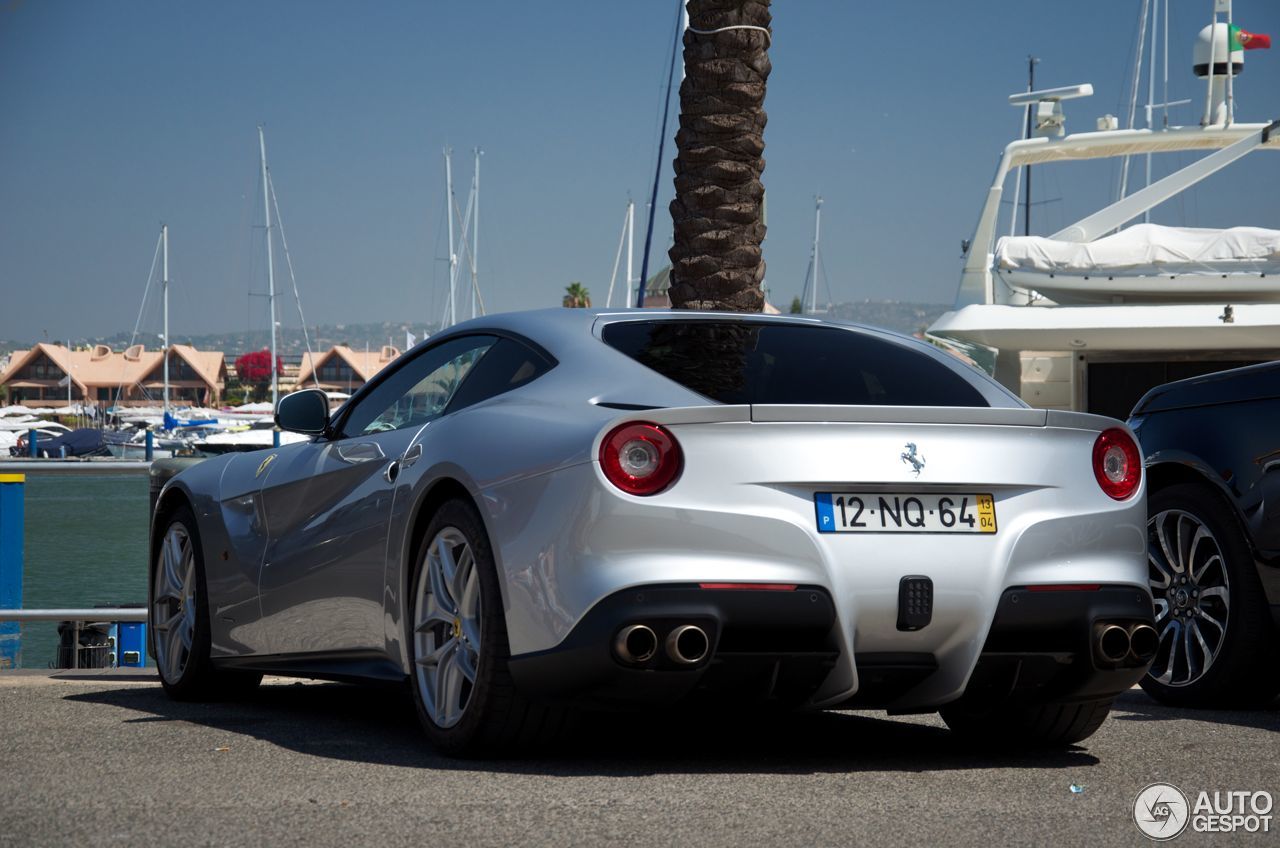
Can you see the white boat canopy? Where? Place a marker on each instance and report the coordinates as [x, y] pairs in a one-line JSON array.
[[1147, 262]]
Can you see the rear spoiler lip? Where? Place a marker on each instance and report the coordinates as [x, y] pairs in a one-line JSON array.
[[817, 413], [1006, 416]]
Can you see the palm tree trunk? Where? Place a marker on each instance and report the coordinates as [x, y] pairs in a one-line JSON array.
[[717, 212]]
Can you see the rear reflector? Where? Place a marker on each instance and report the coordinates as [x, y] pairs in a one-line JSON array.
[[1065, 587], [751, 587]]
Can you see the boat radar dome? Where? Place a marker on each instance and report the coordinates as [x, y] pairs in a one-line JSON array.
[[1217, 46]]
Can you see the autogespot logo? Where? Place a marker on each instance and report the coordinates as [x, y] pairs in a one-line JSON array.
[[1161, 811]]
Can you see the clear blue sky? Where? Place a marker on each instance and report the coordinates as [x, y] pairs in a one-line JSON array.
[[117, 116]]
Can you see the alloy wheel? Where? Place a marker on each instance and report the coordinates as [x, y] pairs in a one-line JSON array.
[[173, 611], [1191, 587], [446, 632]]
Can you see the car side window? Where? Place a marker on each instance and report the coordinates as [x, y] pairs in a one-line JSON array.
[[418, 391], [509, 364]]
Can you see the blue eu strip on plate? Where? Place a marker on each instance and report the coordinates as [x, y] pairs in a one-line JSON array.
[[826, 514]]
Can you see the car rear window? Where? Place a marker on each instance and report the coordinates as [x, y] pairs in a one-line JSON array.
[[737, 362]]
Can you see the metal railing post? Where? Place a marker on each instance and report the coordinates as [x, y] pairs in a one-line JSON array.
[[11, 518]]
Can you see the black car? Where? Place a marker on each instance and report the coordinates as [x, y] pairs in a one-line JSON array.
[[1211, 446]]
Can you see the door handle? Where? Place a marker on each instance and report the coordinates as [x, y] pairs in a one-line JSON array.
[[361, 452], [412, 455]]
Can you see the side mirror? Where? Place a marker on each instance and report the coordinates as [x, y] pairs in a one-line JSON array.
[[305, 412]]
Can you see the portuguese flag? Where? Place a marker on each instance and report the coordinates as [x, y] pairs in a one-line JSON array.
[[1241, 40]]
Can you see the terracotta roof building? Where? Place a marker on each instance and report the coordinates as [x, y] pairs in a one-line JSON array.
[[341, 369], [37, 377]]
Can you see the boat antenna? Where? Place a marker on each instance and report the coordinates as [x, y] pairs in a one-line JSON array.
[[271, 269], [1133, 91], [657, 171]]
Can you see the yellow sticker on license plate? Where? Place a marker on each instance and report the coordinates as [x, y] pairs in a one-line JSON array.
[[905, 512]]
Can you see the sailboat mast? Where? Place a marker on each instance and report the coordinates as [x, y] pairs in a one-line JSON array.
[[271, 268], [817, 230], [631, 239], [475, 234], [164, 289], [453, 256], [1032, 61]]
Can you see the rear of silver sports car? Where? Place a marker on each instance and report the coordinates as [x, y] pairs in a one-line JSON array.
[[897, 557]]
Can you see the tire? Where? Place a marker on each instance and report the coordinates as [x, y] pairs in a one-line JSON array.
[[484, 714], [1036, 725], [178, 618], [1230, 660]]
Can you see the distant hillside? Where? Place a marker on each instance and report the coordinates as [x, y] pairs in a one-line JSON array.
[[288, 341], [900, 315]]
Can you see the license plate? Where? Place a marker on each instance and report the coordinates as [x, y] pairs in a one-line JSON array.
[[863, 512]]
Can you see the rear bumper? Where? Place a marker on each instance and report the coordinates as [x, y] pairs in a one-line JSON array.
[[1041, 645], [780, 646], [762, 646]]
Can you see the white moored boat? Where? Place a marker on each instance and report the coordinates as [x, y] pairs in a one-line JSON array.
[[1091, 316]]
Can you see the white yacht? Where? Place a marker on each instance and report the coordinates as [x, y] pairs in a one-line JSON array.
[[1092, 316]]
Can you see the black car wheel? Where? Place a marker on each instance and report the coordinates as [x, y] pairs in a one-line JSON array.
[[458, 647], [178, 617], [1217, 641]]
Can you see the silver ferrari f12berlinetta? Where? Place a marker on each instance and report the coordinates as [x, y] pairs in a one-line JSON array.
[[563, 509]]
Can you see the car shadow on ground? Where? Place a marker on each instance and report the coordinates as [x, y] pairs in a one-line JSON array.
[[1137, 705], [380, 726]]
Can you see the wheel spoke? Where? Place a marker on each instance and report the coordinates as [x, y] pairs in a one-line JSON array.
[[1199, 575], [471, 630], [461, 581], [439, 581], [1159, 568], [433, 617], [1219, 592], [1171, 632], [453, 679], [438, 653], [173, 649], [440, 678], [170, 584], [1193, 669], [467, 662], [1222, 628], [163, 627], [1162, 609], [1162, 536], [448, 566], [1201, 533]]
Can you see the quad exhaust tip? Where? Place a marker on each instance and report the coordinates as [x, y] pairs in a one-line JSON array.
[[636, 643], [1113, 643], [688, 644], [1144, 641]]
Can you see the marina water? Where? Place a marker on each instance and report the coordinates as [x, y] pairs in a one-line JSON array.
[[85, 546]]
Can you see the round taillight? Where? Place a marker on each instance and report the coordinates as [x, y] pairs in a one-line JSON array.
[[1117, 463], [640, 458]]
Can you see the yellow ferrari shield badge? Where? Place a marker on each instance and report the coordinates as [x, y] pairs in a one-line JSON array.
[[263, 466]]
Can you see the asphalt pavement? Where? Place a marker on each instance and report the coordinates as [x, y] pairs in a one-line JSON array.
[[108, 760]]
